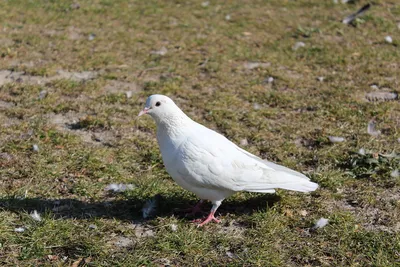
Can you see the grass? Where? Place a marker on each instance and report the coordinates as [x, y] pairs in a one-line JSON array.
[[88, 136]]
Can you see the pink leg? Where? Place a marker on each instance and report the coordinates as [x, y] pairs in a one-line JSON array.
[[211, 216], [209, 219]]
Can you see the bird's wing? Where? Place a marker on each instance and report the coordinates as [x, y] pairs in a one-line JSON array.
[[218, 163]]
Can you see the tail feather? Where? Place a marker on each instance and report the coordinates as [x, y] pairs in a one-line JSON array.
[[277, 176], [303, 186], [282, 180]]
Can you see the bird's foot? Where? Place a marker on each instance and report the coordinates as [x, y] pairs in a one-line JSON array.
[[206, 220]]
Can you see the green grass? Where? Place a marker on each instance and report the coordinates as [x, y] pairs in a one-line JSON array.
[[88, 135]]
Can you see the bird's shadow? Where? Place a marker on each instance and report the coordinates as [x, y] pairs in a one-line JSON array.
[[129, 209]]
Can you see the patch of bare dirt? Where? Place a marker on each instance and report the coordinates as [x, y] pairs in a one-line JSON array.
[[65, 123], [7, 76], [380, 216], [233, 229], [118, 87], [6, 105]]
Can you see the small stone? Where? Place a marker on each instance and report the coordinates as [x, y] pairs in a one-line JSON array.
[[35, 148], [205, 4], [256, 65], [128, 94], [244, 142], [256, 106], [303, 213], [374, 86], [6, 156], [298, 45], [321, 79], [92, 226], [228, 17], [75, 6], [6, 105], [395, 173], [336, 139], [91, 36], [389, 39], [381, 96], [141, 232], [164, 262], [162, 52], [361, 151], [371, 129], [270, 79], [42, 94]]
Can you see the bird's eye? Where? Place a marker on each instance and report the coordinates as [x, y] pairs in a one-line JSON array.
[[158, 104]]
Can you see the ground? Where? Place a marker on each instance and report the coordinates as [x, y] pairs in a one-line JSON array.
[[286, 80]]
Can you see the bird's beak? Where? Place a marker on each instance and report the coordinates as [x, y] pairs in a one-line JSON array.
[[144, 111]]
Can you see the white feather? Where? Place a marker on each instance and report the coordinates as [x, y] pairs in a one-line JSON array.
[[320, 223], [36, 216]]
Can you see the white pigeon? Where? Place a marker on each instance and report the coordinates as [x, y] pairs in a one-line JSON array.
[[208, 164]]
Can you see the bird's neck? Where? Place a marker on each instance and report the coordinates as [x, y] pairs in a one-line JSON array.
[[173, 125]]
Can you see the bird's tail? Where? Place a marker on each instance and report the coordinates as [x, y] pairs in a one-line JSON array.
[[281, 179]]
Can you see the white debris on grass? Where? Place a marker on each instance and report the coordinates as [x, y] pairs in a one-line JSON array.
[[42, 94], [19, 230], [91, 36], [336, 139], [256, 106], [123, 242], [150, 207], [371, 129], [118, 188], [35, 148], [128, 94], [205, 4], [381, 96], [298, 45], [395, 173], [36, 216], [361, 151], [256, 65], [174, 227], [228, 17], [389, 39], [163, 51], [322, 222]]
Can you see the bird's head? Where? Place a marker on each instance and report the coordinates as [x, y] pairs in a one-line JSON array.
[[160, 107]]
